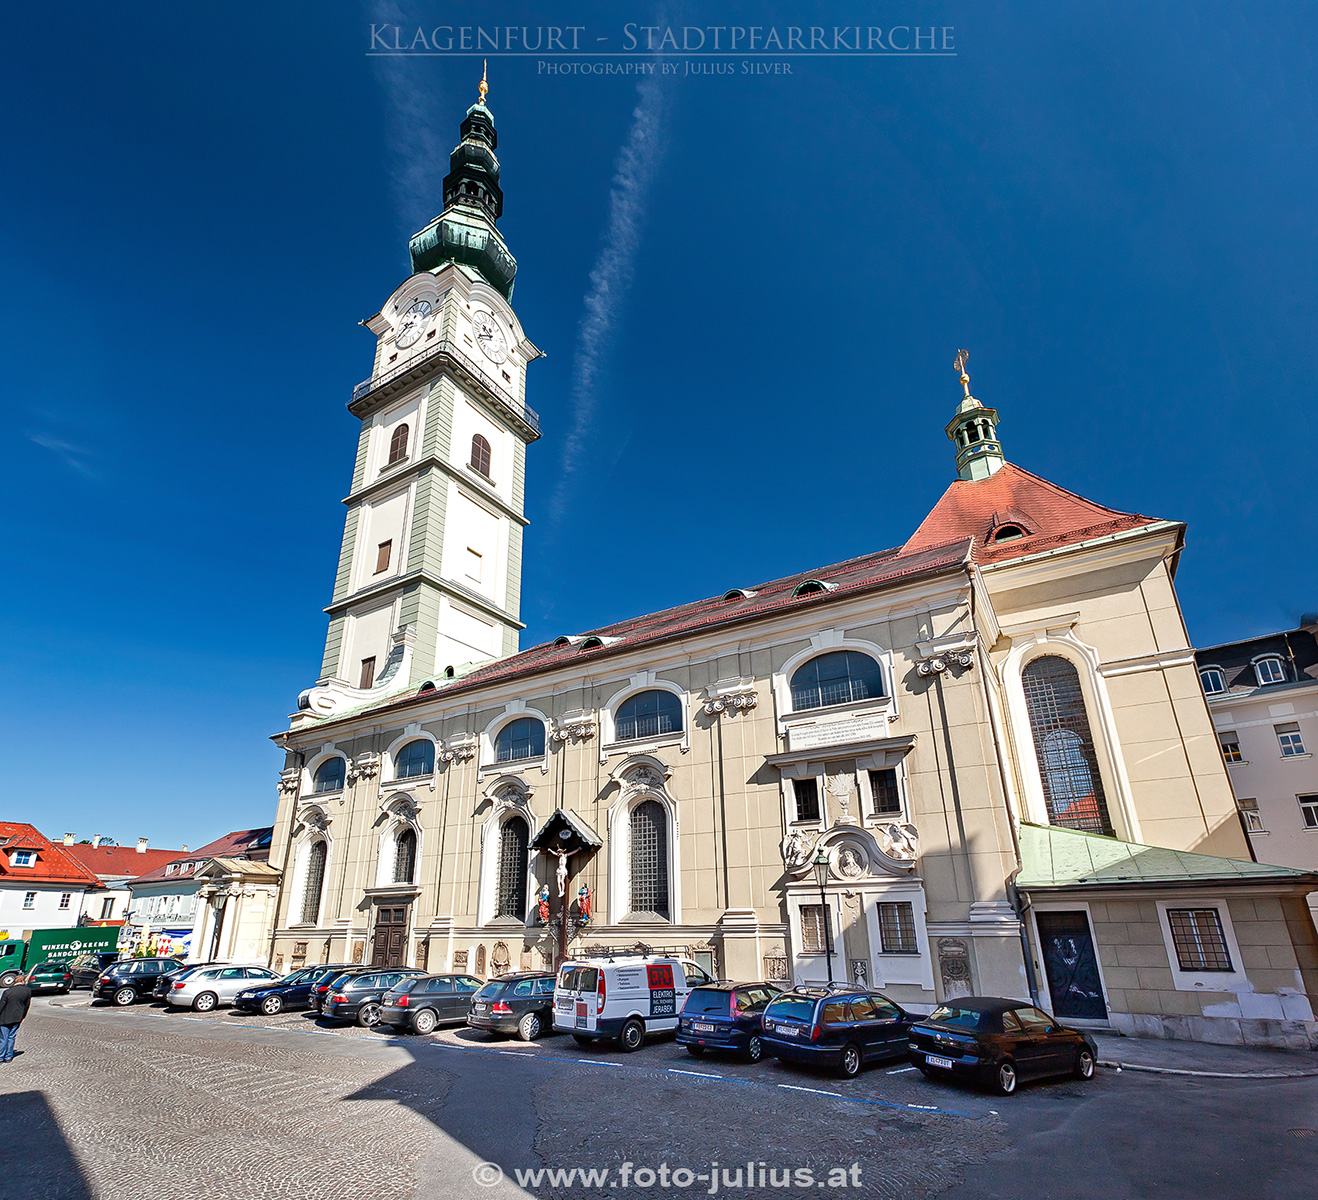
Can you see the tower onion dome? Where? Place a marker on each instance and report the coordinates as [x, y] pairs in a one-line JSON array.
[[473, 201]]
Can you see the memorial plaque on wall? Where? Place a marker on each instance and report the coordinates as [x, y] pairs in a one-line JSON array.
[[841, 731]]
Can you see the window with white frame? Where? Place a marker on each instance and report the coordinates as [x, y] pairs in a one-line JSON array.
[[1249, 812], [1289, 739], [838, 677], [66, 898], [647, 715], [29, 899], [521, 739], [415, 759], [315, 882], [897, 928], [1229, 740], [405, 856], [648, 846], [1309, 811], [23, 858], [814, 929], [887, 797], [330, 775], [1269, 670], [510, 897], [1199, 939], [805, 793], [1212, 680]]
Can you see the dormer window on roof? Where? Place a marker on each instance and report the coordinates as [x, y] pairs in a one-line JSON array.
[[1269, 669], [1212, 680], [1006, 533], [22, 858], [810, 587], [739, 594]]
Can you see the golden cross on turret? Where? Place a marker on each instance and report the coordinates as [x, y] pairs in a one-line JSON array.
[[484, 85], [959, 364]]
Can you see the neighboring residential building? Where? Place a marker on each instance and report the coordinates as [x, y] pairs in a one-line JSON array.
[[990, 738], [114, 866], [42, 886], [204, 905], [1263, 695]]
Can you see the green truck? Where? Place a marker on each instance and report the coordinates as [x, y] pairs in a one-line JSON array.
[[18, 955]]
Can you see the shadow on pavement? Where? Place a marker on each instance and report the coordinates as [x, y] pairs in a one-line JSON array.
[[38, 1161]]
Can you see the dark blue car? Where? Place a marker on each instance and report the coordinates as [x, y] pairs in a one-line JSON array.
[[725, 1016], [838, 1029], [293, 991]]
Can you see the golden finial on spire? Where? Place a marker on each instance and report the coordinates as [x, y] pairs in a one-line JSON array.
[[484, 85], [959, 364]]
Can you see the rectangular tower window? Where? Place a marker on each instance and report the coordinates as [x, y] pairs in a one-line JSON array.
[[807, 799], [474, 563], [368, 672], [1288, 737], [1309, 810], [382, 555], [1229, 740], [814, 933], [883, 786]]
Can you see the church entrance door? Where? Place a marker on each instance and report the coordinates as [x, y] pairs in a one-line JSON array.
[[389, 946]]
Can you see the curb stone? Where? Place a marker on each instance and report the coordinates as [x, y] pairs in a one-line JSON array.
[[1125, 1066]]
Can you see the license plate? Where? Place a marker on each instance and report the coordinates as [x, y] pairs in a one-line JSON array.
[[788, 1030], [478, 1008], [700, 1027], [933, 1060], [564, 1005]]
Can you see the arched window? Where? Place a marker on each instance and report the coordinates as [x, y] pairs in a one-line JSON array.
[[839, 677], [520, 739], [405, 856], [514, 838], [1072, 787], [649, 859], [330, 775], [1269, 669], [480, 455], [416, 758], [1212, 680], [398, 444], [1007, 533], [314, 884], [647, 715]]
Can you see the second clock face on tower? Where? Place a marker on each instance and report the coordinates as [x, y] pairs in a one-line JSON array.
[[489, 337], [412, 323]]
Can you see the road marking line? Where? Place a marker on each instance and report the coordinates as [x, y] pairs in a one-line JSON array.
[[590, 1062], [900, 1071], [697, 1074], [792, 1087]]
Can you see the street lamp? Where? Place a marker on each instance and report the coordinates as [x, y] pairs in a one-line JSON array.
[[821, 877]]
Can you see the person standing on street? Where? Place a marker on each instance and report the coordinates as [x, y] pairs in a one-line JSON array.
[[13, 1008]]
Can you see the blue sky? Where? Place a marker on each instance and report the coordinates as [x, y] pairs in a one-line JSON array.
[[1111, 205]]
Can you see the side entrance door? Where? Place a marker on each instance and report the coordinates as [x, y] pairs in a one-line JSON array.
[[1071, 965], [389, 946]]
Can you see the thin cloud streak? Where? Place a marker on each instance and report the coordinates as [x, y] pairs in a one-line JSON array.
[[72, 456], [611, 277]]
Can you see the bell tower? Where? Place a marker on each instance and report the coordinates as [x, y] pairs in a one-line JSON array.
[[974, 431], [429, 578]]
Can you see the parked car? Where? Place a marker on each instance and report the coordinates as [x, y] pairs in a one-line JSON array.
[[321, 989], [358, 997], [725, 1016], [131, 978], [418, 1004], [86, 968], [293, 991], [209, 987], [623, 998], [522, 1004], [835, 1029], [165, 984], [997, 1043], [53, 975]]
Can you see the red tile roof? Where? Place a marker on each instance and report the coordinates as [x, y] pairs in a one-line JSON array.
[[238, 844], [1050, 515], [121, 860], [54, 863]]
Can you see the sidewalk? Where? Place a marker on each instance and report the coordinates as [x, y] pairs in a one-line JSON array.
[[1201, 1058]]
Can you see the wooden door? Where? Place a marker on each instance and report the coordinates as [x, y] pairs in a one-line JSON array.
[[389, 945]]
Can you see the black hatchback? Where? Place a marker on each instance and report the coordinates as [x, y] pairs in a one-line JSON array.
[[725, 1016], [421, 1004], [835, 1028], [86, 968], [522, 1004], [357, 998], [130, 980]]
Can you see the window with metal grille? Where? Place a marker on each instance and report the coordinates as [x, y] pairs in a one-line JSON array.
[[649, 859], [416, 758], [513, 841], [480, 455], [1068, 768], [1230, 743], [404, 856], [1269, 670], [519, 739], [315, 882], [398, 444], [1309, 811], [330, 775], [839, 677], [897, 928], [1199, 940], [806, 792], [647, 715], [814, 929], [1288, 737], [1212, 680], [883, 787]]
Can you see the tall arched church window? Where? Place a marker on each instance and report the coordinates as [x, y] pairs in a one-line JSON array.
[[649, 859], [1068, 766], [839, 677], [416, 758], [514, 838], [520, 739], [315, 883], [329, 775], [405, 856], [480, 455], [398, 443], [647, 715]]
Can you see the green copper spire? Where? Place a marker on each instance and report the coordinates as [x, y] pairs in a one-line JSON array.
[[974, 431], [473, 201]]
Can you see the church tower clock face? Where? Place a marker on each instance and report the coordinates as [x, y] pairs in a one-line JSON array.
[[413, 322], [489, 337]]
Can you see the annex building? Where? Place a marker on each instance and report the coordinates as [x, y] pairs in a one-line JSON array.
[[990, 739]]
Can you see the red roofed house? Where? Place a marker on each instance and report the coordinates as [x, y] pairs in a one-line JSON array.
[[991, 739], [114, 866], [42, 886]]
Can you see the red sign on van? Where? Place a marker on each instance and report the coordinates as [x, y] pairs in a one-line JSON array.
[[660, 975]]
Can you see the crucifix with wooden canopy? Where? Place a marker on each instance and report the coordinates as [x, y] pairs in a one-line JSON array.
[[561, 837]]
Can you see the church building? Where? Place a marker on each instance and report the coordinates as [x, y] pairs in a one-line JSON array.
[[976, 762]]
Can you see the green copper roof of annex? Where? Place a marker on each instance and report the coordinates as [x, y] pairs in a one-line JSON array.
[[1054, 857]]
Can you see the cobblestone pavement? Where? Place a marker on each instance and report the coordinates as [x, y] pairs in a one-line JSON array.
[[113, 1104]]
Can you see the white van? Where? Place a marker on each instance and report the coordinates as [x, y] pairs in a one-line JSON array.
[[623, 998]]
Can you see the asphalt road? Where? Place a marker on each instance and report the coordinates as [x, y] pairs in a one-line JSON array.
[[133, 1103]]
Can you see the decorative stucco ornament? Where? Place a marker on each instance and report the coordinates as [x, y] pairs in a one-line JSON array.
[[841, 787], [797, 849], [899, 840]]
